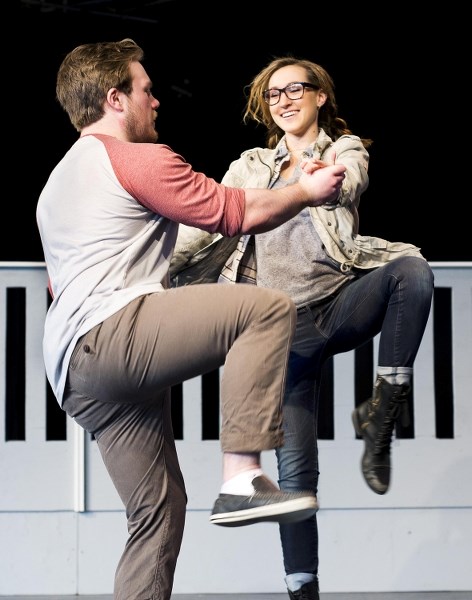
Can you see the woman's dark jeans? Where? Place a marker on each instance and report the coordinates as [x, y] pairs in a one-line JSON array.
[[393, 300]]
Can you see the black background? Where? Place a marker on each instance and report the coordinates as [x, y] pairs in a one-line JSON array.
[[394, 84]]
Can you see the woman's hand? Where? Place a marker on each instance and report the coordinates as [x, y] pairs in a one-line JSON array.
[[310, 165]]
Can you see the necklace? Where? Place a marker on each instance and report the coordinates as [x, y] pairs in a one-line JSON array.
[[297, 151], [297, 155]]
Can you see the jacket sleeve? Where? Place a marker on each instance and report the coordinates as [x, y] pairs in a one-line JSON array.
[[199, 257], [349, 151]]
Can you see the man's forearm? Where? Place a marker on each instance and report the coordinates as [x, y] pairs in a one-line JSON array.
[[267, 209]]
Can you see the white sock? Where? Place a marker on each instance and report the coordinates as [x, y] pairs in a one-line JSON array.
[[295, 581], [396, 375], [241, 485]]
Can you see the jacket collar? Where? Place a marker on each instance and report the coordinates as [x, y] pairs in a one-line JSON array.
[[316, 148]]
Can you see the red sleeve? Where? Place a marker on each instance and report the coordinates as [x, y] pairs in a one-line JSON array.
[[162, 181]]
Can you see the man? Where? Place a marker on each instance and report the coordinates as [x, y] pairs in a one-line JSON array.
[[117, 338]]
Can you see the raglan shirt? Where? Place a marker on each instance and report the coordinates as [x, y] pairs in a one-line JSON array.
[[108, 218]]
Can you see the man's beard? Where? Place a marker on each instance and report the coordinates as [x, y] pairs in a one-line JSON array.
[[136, 131]]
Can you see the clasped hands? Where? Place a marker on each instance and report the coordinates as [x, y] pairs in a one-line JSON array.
[[323, 180]]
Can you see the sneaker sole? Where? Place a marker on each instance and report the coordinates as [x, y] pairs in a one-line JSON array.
[[290, 511]]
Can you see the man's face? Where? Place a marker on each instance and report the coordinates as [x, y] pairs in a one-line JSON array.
[[142, 108]]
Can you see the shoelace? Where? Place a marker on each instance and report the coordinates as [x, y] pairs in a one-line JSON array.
[[398, 408]]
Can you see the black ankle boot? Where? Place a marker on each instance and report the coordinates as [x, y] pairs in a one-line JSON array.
[[374, 421], [309, 591]]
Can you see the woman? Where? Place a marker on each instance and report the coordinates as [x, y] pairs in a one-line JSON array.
[[347, 287]]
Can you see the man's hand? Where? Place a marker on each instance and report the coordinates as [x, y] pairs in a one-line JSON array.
[[321, 181]]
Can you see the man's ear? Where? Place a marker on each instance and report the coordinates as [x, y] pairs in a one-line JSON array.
[[114, 99]]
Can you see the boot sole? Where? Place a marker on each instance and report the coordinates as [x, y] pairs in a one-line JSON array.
[[356, 423]]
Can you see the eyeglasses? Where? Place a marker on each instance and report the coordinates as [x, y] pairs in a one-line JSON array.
[[293, 91]]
